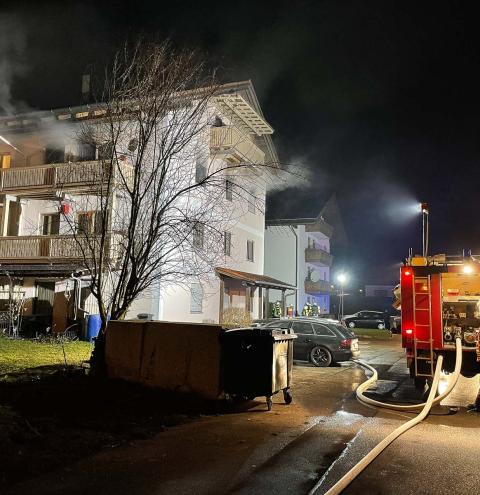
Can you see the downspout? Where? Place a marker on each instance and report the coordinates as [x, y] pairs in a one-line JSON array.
[[78, 288], [296, 269]]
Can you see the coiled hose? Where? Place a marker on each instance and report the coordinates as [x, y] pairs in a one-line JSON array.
[[411, 407], [426, 406]]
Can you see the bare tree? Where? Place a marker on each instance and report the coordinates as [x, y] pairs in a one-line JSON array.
[[156, 208]]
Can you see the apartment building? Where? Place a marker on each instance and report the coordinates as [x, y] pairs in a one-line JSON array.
[[44, 169], [299, 253]]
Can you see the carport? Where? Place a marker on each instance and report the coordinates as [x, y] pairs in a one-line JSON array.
[[249, 291]]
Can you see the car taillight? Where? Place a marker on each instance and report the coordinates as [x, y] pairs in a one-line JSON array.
[[346, 344]]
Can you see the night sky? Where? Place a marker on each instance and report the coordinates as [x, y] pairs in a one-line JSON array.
[[378, 99]]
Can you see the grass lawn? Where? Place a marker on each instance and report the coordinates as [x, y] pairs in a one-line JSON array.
[[19, 355], [372, 333]]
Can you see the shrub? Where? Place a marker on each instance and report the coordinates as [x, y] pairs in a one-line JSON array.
[[236, 317]]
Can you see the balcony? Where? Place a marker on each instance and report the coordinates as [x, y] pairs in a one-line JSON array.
[[322, 286], [51, 249], [235, 146], [318, 256], [44, 180], [319, 225]]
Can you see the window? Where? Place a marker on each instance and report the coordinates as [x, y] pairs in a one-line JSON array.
[[302, 327], [83, 223], [98, 222], [285, 325], [200, 169], [322, 330], [228, 190], [86, 151], [54, 155], [50, 224], [345, 332], [90, 222], [5, 160], [227, 243], [250, 250], [196, 298], [198, 235], [251, 202], [105, 151]]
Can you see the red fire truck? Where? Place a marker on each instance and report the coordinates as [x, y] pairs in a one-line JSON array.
[[440, 300]]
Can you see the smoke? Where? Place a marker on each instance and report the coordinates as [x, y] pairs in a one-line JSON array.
[[12, 61]]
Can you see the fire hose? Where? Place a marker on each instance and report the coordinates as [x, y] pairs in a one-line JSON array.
[[426, 406]]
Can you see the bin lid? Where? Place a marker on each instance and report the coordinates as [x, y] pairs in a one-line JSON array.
[[274, 333]]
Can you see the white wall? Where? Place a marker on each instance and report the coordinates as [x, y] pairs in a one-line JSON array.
[[280, 254]]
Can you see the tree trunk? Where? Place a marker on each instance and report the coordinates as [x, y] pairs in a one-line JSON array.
[[98, 361]]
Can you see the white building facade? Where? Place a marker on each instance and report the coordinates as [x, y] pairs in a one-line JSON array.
[[299, 253], [40, 167]]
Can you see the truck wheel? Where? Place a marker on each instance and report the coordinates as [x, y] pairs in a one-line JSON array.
[[287, 396], [419, 382], [320, 357], [381, 326]]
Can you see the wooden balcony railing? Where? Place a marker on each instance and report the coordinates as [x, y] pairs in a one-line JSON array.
[[235, 146], [321, 286], [315, 255], [47, 178], [53, 248]]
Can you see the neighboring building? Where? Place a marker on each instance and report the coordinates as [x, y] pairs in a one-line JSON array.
[[35, 256], [299, 253]]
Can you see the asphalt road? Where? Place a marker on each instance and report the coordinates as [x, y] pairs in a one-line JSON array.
[[292, 449]]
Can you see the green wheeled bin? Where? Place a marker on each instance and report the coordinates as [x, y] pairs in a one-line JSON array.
[[257, 362]]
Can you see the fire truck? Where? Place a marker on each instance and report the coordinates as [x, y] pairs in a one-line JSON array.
[[439, 298]]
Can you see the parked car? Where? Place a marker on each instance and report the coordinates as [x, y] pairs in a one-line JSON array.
[[321, 341], [365, 319]]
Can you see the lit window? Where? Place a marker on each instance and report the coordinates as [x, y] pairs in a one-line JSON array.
[[5, 159]]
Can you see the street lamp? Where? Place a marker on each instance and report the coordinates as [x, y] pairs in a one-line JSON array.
[[425, 212], [342, 279]]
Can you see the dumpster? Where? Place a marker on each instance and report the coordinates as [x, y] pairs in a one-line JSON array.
[[257, 362]]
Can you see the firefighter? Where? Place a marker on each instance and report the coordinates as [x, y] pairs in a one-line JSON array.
[[277, 310]]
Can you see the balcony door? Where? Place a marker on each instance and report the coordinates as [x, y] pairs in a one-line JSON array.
[[50, 224], [14, 213], [45, 295]]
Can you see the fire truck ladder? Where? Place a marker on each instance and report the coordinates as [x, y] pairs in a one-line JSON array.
[[424, 281]]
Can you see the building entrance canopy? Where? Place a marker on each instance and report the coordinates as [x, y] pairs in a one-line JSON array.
[[251, 281]]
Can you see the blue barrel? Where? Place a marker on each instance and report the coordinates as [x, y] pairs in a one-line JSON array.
[[94, 322]]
